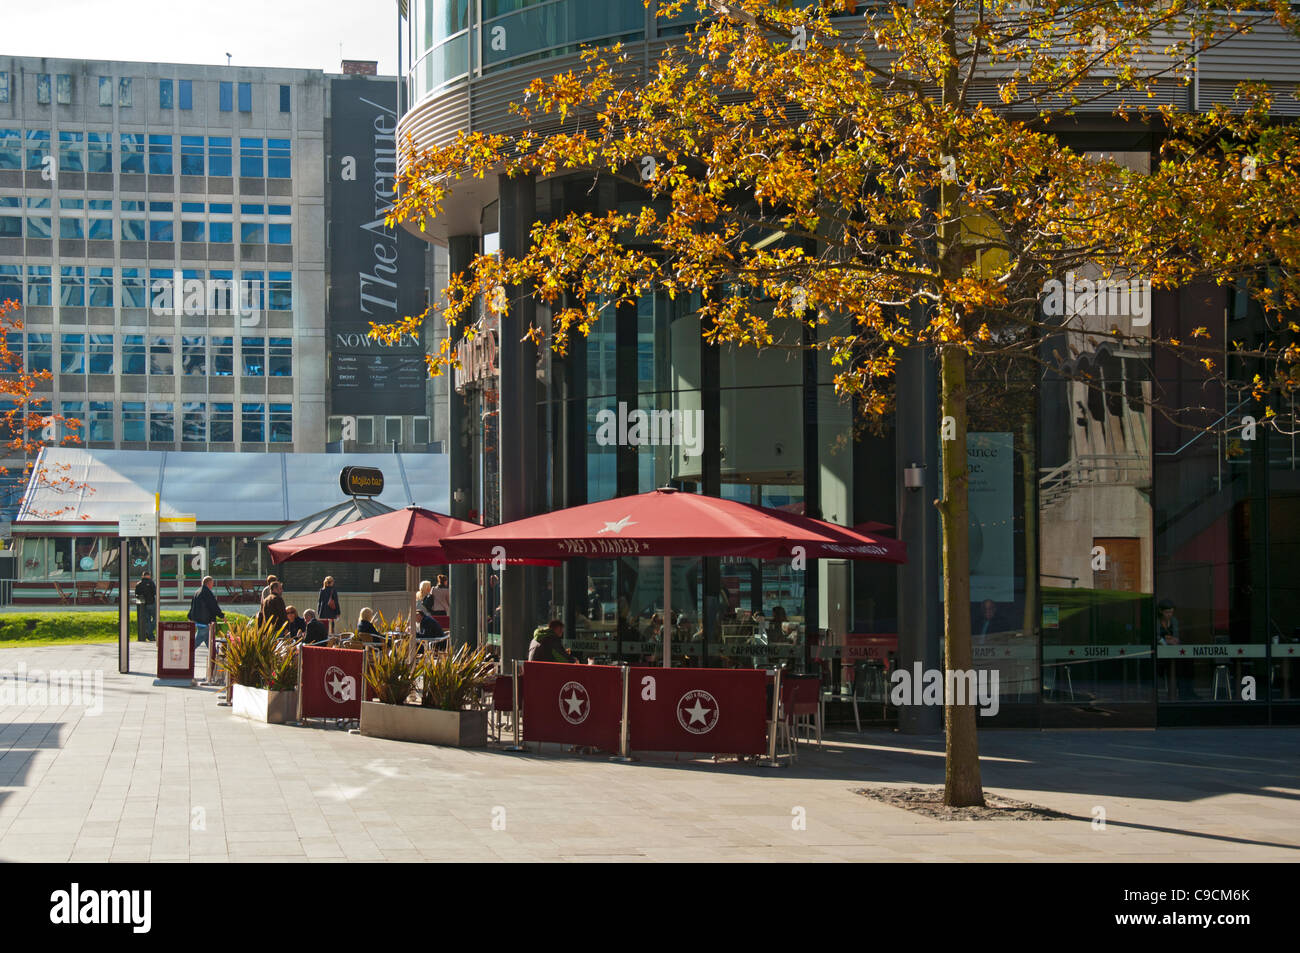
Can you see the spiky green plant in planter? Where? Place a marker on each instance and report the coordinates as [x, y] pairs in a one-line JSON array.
[[452, 682], [257, 656], [391, 670]]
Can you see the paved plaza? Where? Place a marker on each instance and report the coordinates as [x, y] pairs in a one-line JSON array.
[[164, 774]]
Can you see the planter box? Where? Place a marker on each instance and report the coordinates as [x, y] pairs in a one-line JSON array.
[[274, 708], [461, 729]]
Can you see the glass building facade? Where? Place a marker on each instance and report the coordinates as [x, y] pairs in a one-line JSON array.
[[1128, 568]]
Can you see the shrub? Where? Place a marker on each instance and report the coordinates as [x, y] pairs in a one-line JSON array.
[[73, 625], [257, 656], [452, 682]]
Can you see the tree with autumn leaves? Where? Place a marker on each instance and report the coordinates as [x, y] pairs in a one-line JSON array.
[[912, 185], [29, 423]]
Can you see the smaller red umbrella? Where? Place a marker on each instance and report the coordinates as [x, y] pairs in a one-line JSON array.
[[412, 535]]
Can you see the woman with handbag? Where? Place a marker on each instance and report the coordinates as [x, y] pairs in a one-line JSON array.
[[327, 603]]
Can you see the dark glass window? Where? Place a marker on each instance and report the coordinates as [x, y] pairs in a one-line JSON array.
[[100, 422], [223, 423], [253, 351], [160, 355], [253, 423], [164, 94], [223, 357], [101, 354], [72, 354], [192, 231], [40, 351], [194, 423], [281, 357], [162, 424], [284, 99], [282, 423], [131, 147]]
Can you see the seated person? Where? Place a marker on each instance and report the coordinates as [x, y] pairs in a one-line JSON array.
[[364, 624], [548, 644], [315, 631], [294, 625], [778, 628]]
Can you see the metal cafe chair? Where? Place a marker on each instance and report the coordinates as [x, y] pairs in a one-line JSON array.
[[869, 683], [806, 706]]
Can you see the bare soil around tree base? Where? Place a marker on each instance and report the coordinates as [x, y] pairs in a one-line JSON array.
[[929, 801]]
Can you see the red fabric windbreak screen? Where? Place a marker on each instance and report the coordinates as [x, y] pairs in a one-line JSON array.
[[331, 682], [723, 711], [573, 704]]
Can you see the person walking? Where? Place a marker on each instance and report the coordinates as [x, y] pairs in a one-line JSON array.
[[441, 596], [273, 608], [266, 591], [204, 612], [425, 604], [327, 603], [146, 594]]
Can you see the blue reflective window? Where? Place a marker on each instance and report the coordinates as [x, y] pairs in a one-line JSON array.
[[38, 147], [133, 355], [70, 152], [134, 293], [220, 232], [164, 94], [219, 155], [133, 421], [279, 234], [99, 152], [251, 154], [131, 149], [280, 357], [101, 354], [40, 349], [284, 99], [282, 423], [191, 155], [160, 155], [277, 158], [250, 233], [187, 94], [100, 422], [162, 423], [280, 291], [72, 354], [224, 97], [253, 351], [132, 230], [11, 149], [11, 287], [72, 286], [192, 231], [223, 423], [161, 230], [245, 97]]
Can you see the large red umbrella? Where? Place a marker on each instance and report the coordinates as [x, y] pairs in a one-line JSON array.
[[667, 523], [411, 535]]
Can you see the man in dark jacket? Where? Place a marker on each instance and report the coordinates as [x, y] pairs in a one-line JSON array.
[[317, 632], [204, 611], [548, 644], [146, 594], [274, 609]]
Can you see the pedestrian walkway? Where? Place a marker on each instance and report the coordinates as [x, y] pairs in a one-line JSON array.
[[163, 773]]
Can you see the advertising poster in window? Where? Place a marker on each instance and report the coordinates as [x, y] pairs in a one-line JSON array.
[[992, 556], [377, 272]]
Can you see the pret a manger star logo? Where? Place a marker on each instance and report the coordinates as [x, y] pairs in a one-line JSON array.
[[575, 703], [339, 686], [618, 527], [354, 533], [697, 712]]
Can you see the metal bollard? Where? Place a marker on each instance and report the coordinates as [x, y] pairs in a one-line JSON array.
[[514, 694], [623, 756], [771, 761]]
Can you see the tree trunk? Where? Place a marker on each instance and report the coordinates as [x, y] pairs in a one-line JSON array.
[[962, 786]]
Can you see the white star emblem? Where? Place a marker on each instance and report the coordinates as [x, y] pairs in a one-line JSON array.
[[697, 713], [336, 686], [618, 527], [354, 533], [574, 703]]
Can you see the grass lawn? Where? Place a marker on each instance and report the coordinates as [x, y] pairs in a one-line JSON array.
[[63, 627]]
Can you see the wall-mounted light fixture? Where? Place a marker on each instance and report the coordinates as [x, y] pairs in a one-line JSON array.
[[914, 477]]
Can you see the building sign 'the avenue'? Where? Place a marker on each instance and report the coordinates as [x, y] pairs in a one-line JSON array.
[[377, 272]]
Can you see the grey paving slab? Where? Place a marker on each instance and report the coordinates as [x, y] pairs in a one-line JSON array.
[[164, 774]]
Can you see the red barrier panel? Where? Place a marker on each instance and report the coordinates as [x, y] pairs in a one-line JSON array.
[[331, 682], [716, 710], [573, 704]]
